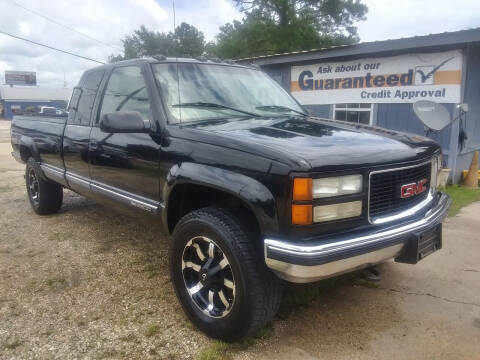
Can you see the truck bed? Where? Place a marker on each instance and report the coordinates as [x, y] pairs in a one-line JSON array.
[[43, 133]]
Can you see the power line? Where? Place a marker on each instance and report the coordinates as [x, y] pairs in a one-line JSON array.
[[50, 47], [63, 25]]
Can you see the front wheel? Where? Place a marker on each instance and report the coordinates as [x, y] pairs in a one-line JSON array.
[[45, 196], [222, 285]]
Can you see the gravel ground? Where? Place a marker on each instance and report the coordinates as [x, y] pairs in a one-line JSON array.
[[89, 283]]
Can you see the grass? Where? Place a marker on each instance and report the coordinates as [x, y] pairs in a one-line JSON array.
[[5, 188], [13, 344], [151, 330], [297, 296], [217, 350], [359, 281], [55, 281], [461, 197]]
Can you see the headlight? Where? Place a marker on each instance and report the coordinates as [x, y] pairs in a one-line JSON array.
[[337, 211], [335, 186]]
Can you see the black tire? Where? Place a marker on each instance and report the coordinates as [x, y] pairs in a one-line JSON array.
[[45, 196], [257, 292]]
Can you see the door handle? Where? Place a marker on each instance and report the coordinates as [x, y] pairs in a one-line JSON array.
[[93, 144]]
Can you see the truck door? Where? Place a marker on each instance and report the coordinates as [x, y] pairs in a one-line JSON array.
[[124, 166], [77, 131]]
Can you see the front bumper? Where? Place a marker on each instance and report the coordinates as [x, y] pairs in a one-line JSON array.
[[312, 260]]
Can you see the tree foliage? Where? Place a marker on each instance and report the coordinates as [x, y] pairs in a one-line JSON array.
[[185, 41], [275, 26], [269, 27]]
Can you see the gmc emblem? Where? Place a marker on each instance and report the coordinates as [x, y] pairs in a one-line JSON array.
[[409, 190]]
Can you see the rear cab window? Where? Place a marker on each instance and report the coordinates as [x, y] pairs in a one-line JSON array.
[[83, 98]]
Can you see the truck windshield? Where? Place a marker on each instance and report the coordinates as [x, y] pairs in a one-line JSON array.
[[209, 91]]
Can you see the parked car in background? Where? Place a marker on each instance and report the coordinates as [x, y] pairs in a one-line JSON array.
[[48, 110]]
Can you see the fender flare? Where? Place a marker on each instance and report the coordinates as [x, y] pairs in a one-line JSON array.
[[29, 143], [256, 196]]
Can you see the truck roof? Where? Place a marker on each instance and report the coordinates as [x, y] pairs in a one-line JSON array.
[[164, 59]]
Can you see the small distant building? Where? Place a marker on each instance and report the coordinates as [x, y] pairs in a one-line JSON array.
[[19, 99]]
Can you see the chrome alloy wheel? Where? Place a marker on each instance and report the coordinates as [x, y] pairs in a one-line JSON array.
[[33, 186], [208, 277]]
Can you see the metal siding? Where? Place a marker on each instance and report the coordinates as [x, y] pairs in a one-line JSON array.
[[431, 43], [464, 161], [279, 73], [323, 111], [401, 117], [472, 98]]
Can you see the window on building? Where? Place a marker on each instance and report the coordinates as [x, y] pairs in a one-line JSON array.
[[356, 113], [16, 109]]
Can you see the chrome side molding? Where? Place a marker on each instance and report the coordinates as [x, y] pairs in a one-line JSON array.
[[54, 173], [77, 180], [127, 198], [69, 179]]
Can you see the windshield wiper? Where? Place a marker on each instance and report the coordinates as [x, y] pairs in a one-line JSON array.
[[279, 107], [201, 104]]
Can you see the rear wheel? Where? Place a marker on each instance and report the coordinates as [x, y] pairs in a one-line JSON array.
[[222, 284], [45, 196]]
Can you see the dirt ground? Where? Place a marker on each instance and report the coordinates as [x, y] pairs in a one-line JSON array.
[[88, 283]]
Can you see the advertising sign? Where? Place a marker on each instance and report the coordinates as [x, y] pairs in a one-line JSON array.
[[20, 78], [398, 79]]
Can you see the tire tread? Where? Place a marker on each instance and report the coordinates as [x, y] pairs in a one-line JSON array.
[[51, 193], [265, 288]]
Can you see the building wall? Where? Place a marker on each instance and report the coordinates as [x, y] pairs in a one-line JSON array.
[[402, 118], [472, 118], [8, 111], [323, 111]]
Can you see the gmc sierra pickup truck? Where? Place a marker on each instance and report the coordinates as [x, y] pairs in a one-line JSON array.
[[250, 188]]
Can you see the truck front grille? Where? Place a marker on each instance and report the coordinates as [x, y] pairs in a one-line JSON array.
[[385, 189]]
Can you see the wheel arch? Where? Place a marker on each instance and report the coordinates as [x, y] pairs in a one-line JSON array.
[[27, 148], [205, 185]]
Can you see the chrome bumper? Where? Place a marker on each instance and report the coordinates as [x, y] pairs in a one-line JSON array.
[[312, 260]]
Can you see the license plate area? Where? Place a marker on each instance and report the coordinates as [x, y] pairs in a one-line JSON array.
[[421, 245]]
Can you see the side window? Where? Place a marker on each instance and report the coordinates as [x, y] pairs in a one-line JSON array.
[[80, 114], [126, 91], [73, 104]]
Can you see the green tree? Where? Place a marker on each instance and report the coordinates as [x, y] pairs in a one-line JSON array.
[[275, 26], [185, 41], [190, 41]]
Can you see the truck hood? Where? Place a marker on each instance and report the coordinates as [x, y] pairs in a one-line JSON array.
[[317, 144]]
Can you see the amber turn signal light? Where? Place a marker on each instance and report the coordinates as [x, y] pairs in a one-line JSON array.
[[302, 189], [301, 214]]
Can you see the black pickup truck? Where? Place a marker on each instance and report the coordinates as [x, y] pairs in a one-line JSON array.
[[250, 188]]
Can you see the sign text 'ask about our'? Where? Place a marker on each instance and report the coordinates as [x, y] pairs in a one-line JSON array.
[[397, 79]]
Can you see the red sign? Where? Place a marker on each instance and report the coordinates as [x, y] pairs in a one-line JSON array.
[[409, 190]]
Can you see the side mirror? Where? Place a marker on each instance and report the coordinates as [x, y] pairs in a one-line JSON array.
[[124, 122]]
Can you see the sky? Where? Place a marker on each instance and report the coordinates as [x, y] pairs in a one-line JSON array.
[[108, 21]]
